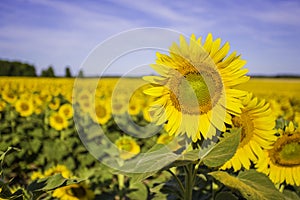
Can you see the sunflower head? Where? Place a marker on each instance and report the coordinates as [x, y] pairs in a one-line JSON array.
[[194, 93], [58, 121], [9, 96], [37, 175], [282, 162], [118, 107], [257, 124], [58, 169], [54, 104], [102, 112], [128, 147], [24, 107], [164, 139], [286, 149], [2, 105], [66, 110], [74, 192], [83, 96]]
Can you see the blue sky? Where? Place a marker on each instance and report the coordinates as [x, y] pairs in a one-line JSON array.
[[60, 33]]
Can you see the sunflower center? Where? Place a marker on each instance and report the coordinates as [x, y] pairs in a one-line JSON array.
[[24, 107], [78, 191], [125, 145], [10, 95], [244, 122], [59, 119], [100, 111], [286, 150], [196, 93], [66, 112]]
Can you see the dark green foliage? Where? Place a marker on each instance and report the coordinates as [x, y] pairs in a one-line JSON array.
[[48, 72], [15, 68], [68, 73]]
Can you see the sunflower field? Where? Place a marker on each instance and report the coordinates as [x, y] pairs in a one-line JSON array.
[[198, 130]]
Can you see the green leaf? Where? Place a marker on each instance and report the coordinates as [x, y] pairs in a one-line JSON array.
[[192, 155], [226, 195], [153, 161], [51, 183], [37, 132], [8, 151], [35, 144], [5, 191], [139, 191], [3, 154], [289, 195], [251, 184], [223, 150]]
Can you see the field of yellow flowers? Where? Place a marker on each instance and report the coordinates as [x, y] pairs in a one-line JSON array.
[[39, 137]]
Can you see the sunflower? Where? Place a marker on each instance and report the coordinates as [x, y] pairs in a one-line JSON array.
[[58, 169], [102, 113], [84, 96], [85, 101], [257, 123], [134, 107], [58, 121], [128, 147], [282, 162], [195, 92], [74, 192], [45, 96], [37, 175], [54, 104], [9, 96], [276, 108], [118, 106], [66, 110], [2, 105], [147, 113], [24, 107], [164, 138]]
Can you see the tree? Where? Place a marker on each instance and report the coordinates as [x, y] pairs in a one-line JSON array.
[[48, 72], [68, 72], [80, 74], [15, 68]]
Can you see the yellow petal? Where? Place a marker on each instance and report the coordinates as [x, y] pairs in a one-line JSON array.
[[236, 163], [215, 47], [208, 42], [220, 55], [243, 158], [256, 148]]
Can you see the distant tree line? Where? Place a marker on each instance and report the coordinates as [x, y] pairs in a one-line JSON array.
[[15, 68]]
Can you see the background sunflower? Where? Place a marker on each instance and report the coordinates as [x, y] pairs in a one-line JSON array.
[[282, 162], [258, 132]]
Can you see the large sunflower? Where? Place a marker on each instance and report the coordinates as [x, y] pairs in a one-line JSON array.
[[257, 123], [282, 162], [195, 90]]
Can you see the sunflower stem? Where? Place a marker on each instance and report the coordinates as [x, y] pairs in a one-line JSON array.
[[178, 181], [121, 181], [189, 181]]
